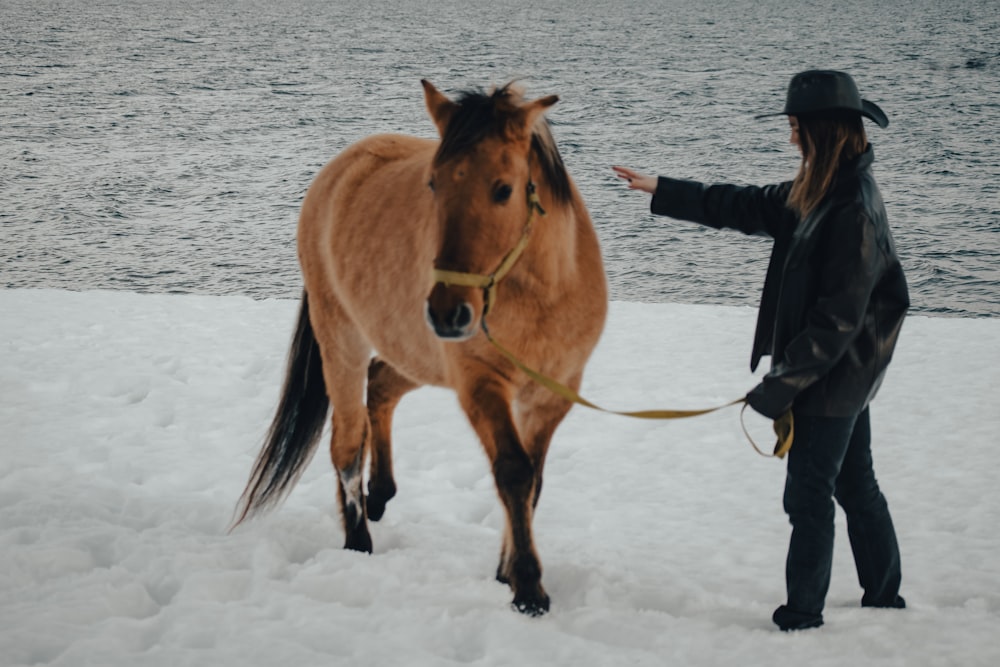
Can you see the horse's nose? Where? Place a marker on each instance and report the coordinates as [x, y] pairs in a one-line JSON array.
[[453, 322]]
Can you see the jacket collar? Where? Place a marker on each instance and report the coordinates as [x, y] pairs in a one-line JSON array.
[[849, 171], [861, 162]]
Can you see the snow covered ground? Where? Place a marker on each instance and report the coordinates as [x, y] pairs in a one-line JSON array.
[[128, 425]]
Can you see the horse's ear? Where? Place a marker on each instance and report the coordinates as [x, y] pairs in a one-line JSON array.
[[439, 107], [533, 110]]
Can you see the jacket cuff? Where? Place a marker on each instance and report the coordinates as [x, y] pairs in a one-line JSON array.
[[766, 403], [679, 199]]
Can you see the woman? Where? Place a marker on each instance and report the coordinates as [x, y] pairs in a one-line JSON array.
[[833, 303]]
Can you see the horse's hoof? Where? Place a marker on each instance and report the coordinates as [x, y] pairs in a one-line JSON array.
[[533, 603], [534, 606], [376, 500], [375, 508]]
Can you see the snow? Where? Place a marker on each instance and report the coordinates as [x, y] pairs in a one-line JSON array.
[[129, 423]]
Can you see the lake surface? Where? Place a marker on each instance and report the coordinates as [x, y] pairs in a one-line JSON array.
[[165, 146]]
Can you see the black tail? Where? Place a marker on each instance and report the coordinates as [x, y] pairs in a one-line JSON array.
[[297, 425]]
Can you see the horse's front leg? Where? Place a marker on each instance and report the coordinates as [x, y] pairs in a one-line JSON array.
[[385, 387], [487, 405], [539, 414]]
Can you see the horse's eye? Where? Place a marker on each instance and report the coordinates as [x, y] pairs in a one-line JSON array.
[[430, 184], [501, 193]]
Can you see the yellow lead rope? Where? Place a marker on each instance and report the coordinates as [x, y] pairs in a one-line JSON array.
[[783, 426]]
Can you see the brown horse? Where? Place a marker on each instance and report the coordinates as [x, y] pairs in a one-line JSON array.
[[382, 228]]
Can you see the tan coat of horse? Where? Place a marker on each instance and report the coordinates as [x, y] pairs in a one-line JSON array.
[[375, 224]]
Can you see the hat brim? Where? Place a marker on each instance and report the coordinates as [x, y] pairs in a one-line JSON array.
[[769, 115], [869, 110], [872, 111]]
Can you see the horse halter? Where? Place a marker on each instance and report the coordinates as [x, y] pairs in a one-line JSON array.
[[488, 282]]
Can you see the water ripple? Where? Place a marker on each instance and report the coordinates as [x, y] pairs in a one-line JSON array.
[[168, 150]]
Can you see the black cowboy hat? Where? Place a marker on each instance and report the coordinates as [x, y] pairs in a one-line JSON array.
[[819, 91]]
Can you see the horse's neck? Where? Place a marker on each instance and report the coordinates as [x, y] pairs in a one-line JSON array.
[[553, 246]]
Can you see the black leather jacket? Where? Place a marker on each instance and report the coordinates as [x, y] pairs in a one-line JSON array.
[[834, 297]]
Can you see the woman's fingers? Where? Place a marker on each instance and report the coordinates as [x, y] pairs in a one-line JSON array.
[[636, 180], [624, 172]]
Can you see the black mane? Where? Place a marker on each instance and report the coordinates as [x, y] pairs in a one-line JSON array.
[[481, 115]]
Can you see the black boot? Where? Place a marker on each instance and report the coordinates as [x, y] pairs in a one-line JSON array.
[[898, 603], [789, 620]]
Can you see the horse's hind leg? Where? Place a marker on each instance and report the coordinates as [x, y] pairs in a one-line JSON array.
[[385, 387], [345, 356]]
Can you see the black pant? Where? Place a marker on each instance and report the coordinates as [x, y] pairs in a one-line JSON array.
[[831, 458]]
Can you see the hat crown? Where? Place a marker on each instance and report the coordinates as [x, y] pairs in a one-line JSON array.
[[822, 90]]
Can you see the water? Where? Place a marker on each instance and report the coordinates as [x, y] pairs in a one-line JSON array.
[[164, 146]]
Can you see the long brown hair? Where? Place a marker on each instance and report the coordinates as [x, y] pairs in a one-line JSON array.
[[827, 141]]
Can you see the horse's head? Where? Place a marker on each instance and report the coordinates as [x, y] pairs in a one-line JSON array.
[[482, 188]]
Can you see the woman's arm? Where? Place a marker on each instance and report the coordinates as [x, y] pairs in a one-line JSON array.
[[750, 209]]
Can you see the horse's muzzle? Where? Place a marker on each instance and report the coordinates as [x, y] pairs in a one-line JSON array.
[[450, 318]]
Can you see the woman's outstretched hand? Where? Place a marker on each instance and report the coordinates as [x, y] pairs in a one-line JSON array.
[[636, 181]]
